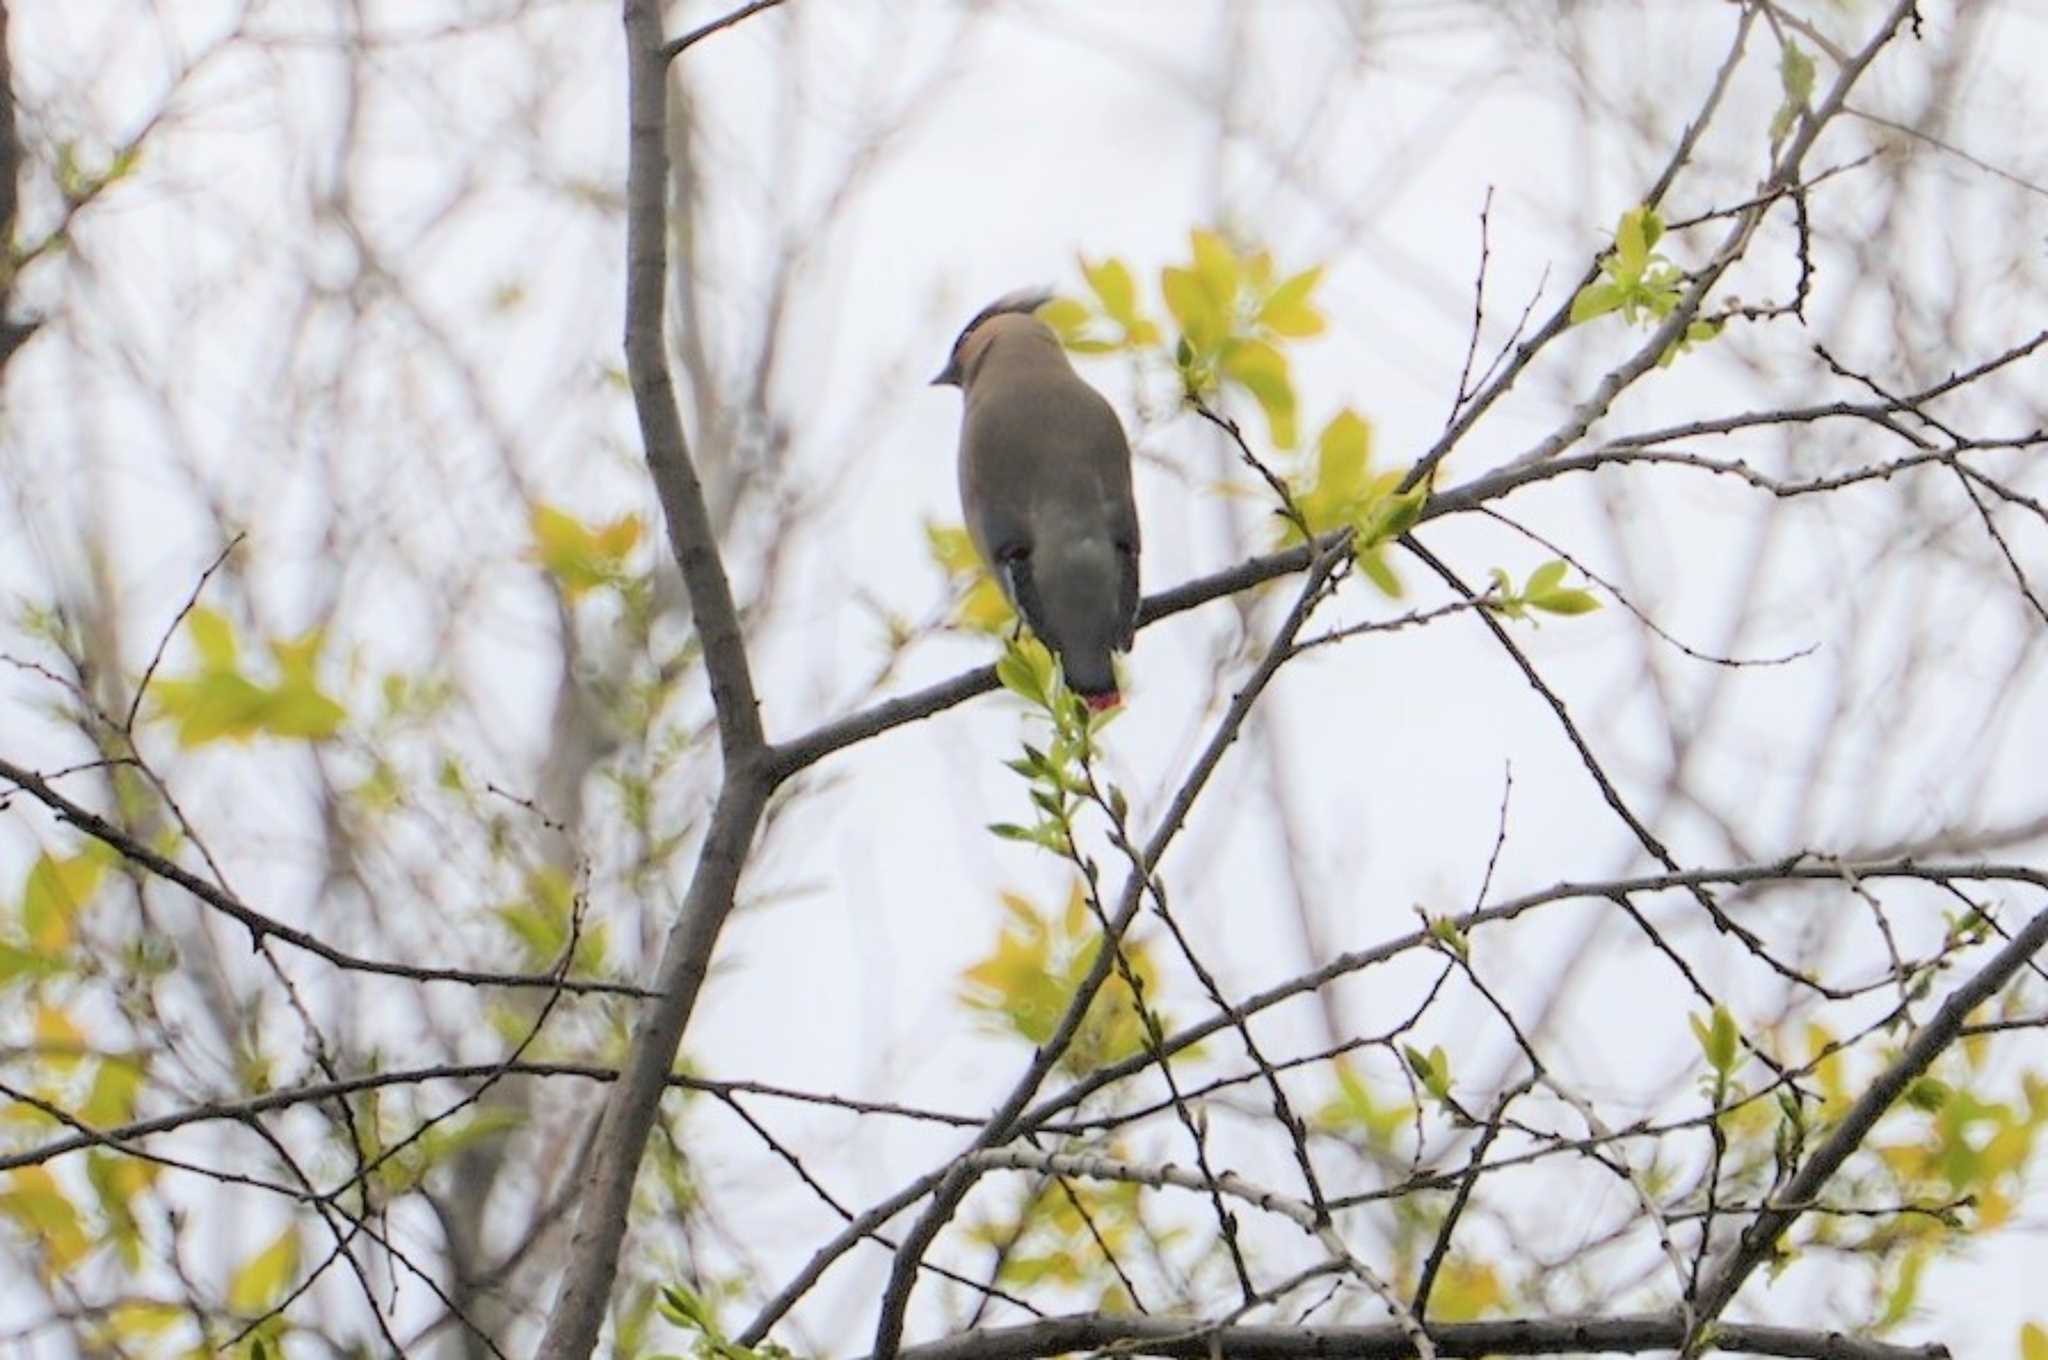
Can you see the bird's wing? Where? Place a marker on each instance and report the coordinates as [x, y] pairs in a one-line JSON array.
[[1127, 593], [1014, 569]]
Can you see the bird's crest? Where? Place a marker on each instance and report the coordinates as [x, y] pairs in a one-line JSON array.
[[1024, 300]]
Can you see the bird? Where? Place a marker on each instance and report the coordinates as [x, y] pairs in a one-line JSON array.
[[1045, 485]]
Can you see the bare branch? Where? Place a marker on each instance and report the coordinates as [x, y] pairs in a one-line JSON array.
[[1624, 1335]]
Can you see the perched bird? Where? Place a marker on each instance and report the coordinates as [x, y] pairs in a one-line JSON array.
[[1045, 481]]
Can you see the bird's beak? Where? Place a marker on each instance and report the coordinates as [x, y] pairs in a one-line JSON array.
[[949, 376]]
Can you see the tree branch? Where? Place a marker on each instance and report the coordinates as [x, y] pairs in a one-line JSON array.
[[676, 47], [1761, 1238], [260, 926], [1182, 1337], [593, 1256]]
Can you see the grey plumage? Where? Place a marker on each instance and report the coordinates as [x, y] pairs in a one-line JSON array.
[[1045, 482]]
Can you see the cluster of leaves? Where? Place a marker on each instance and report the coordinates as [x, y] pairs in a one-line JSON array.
[[697, 1318], [1058, 773], [1637, 281], [220, 701], [1953, 1156], [1544, 592], [1026, 983], [1345, 489], [544, 919], [60, 1068], [1232, 309], [65, 1065], [582, 557], [91, 1208]]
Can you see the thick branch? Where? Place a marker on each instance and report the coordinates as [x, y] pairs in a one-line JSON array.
[[629, 1114], [11, 335], [1627, 1334]]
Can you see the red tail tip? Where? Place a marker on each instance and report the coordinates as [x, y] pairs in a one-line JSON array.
[[1099, 703]]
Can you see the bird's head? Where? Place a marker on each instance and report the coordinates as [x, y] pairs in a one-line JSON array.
[[1009, 314]]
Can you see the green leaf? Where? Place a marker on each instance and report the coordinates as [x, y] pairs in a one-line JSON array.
[[1795, 74], [1373, 562], [1201, 321], [56, 891], [581, 557], [1067, 317], [1904, 1293], [220, 702], [1286, 310], [1343, 453], [114, 1089], [1433, 1069], [1446, 932], [1217, 268], [1597, 298], [16, 963], [260, 1282], [1634, 240], [1391, 515], [1566, 602], [1545, 591], [46, 1216], [140, 1321], [1928, 1094], [1717, 1038], [982, 607], [1545, 577], [1339, 493], [117, 1183], [1353, 1109], [1112, 283], [213, 637], [1262, 370], [1025, 669]]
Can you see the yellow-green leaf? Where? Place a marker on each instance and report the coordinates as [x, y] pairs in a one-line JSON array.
[[1373, 562], [260, 1282], [56, 891], [35, 1202], [1216, 266], [213, 637], [141, 1320], [1112, 283], [1287, 311], [579, 557], [983, 606], [1717, 1038], [114, 1089], [1262, 370], [1636, 238], [1067, 318], [1596, 299], [1200, 318], [1466, 1290], [2033, 1342], [58, 1040]]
